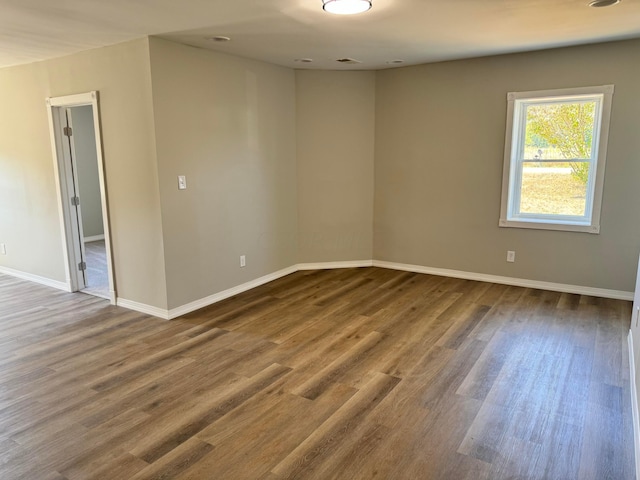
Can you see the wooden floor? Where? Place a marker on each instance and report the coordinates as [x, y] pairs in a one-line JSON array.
[[345, 374]]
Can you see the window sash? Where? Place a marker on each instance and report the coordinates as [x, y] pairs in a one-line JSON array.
[[516, 213], [517, 159]]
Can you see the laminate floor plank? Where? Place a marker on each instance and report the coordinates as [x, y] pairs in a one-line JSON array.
[[358, 373], [282, 427], [304, 459]]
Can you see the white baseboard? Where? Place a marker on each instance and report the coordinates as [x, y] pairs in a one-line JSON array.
[[94, 238], [217, 297], [634, 404], [36, 278], [518, 282], [230, 292], [203, 302], [332, 265], [143, 308]]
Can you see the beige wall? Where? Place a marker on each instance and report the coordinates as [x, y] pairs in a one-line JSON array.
[[335, 141], [439, 154], [228, 124], [280, 167], [84, 142], [29, 218]]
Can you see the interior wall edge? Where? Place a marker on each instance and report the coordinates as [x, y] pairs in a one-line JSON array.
[[334, 265], [162, 313]]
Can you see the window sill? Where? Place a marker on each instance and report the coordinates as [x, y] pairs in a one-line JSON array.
[[540, 225]]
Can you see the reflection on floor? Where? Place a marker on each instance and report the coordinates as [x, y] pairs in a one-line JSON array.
[[96, 274]]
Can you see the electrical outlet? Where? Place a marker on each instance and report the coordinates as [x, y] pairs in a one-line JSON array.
[[182, 182], [3, 249], [511, 256], [243, 261]]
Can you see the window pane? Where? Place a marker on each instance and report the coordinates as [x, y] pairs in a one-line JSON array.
[[558, 188], [559, 131]]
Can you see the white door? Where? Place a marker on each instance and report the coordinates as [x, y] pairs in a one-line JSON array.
[[69, 170], [70, 188]]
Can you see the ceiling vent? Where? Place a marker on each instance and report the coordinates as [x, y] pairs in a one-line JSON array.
[[348, 61]]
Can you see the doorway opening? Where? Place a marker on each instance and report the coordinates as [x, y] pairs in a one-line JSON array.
[[77, 146]]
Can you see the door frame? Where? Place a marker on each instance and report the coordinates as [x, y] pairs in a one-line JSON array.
[[56, 110]]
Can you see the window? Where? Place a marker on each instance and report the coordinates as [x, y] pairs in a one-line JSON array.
[[555, 151]]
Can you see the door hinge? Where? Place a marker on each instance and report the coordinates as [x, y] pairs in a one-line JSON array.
[[82, 266], [75, 201], [68, 131]]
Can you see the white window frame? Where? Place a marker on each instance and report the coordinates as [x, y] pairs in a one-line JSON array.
[[513, 164]]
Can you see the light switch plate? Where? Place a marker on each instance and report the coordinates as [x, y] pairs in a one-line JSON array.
[[182, 182]]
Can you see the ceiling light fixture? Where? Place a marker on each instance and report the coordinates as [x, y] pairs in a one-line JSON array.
[[603, 3], [219, 38], [346, 7]]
